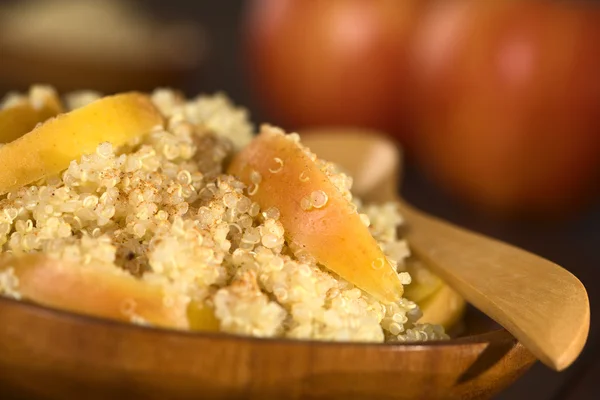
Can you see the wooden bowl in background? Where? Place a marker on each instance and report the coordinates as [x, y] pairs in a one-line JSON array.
[[109, 46]]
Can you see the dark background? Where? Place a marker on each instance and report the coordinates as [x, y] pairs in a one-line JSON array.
[[224, 68]]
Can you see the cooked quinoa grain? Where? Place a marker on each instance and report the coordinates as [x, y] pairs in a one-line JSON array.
[[164, 211]]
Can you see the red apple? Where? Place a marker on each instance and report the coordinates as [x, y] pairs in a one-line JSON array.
[[329, 62], [508, 106]]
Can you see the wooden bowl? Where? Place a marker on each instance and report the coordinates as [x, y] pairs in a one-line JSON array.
[[45, 353], [52, 354]]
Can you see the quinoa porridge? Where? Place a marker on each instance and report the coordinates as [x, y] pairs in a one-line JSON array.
[[162, 212]]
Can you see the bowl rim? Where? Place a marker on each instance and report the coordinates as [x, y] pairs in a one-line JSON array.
[[496, 334]]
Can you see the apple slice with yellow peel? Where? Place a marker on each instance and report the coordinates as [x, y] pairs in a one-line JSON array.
[[49, 148], [424, 283], [97, 290], [202, 318], [444, 307], [316, 216], [21, 117], [440, 304]]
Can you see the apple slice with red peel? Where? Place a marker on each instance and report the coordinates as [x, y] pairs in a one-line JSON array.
[[97, 290], [315, 214]]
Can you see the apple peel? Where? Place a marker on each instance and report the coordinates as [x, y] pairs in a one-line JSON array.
[[18, 119], [424, 283], [96, 289], [445, 307], [201, 317], [316, 216], [50, 147]]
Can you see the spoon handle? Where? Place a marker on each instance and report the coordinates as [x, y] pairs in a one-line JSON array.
[[543, 305]]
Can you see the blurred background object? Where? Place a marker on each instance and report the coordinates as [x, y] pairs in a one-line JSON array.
[[498, 100], [507, 113], [109, 46], [331, 62]]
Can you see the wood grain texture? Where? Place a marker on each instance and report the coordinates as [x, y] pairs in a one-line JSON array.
[[542, 304], [56, 355]]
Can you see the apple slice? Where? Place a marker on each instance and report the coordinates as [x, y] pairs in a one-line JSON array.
[[316, 216], [97, 290], [49, 148], [424, 282], [439, 303], [444, 307], [18, 119], [202, 318]]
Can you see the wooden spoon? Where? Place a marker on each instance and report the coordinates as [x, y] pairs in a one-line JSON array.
[[543, 305]]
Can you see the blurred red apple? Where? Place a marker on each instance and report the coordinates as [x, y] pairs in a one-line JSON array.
[[330, 62], [508, 111]]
